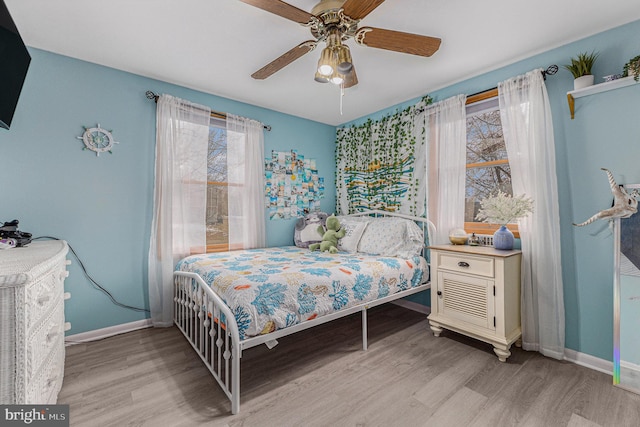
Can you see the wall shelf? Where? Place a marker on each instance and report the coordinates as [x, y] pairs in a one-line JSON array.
[[592, 90]]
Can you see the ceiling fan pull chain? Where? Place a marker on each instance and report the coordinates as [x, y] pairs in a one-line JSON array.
[[341, 96]]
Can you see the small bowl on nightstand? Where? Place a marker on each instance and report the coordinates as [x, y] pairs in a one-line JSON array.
[[458, 237]]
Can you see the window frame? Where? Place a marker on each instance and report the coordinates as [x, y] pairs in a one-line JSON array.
[[483, 227]]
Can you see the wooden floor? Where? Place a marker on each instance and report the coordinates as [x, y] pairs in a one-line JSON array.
[[321, 377]]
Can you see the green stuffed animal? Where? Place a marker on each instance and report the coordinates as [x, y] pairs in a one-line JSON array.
[[329, 237]]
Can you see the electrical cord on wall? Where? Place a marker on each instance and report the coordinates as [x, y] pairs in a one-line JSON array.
[[91, 279]]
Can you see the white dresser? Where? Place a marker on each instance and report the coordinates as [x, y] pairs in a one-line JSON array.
[[475, 291], [32, 322]]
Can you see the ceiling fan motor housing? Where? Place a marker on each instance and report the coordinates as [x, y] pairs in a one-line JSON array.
[[327, 5], [330, 17]]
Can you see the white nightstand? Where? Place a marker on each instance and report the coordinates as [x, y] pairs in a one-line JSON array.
[[475, 291]]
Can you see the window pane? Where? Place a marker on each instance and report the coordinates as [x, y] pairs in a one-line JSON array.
[[485, 143], [482, 182], [217, 200], [484, 137]]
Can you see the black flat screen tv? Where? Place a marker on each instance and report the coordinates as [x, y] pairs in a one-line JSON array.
[[14, 63]]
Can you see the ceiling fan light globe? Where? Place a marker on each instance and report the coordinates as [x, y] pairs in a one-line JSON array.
[[344, 61], [325, 62], [321, 78], [337, 79], [325, 70], [344, 67]]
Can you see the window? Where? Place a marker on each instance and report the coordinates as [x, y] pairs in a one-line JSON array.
[[487, 167], [217, 188]]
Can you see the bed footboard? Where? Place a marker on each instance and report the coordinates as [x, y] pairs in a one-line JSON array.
[[211, 328]]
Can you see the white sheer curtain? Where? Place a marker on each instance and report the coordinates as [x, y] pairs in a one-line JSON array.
[[179, 205], [528, 135], [446, 132], [245, 169]]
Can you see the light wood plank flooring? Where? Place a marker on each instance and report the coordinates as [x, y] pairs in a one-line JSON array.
[[321, 377]]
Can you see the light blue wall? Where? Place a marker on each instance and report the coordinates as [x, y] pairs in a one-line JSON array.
[[605, 133], [103, 205]]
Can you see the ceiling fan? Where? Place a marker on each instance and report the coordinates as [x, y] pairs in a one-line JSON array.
[[332, 22]]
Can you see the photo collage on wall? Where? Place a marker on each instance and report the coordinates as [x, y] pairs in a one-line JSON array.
[[293, 187]]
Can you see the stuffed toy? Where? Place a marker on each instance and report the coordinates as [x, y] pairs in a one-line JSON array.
[[330, 236], [306, 229]]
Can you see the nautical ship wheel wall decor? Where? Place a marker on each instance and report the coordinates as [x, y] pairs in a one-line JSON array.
[[97, 139]]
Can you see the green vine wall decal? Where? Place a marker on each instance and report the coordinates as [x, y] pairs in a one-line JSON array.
[[375, 163]]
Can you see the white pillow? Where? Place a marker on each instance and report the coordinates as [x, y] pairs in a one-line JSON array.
[[351, 239], [392, 237]]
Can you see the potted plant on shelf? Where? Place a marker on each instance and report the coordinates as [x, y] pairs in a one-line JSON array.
[[632, 68], [503, 209], [580, 67]]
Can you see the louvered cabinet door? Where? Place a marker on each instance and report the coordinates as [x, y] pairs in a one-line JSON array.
[[475, 291], [468, 299]]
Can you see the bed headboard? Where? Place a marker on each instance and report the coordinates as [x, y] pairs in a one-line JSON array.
[[428, 227]]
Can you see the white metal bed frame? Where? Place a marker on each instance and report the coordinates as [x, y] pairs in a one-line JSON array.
[[198, 309]]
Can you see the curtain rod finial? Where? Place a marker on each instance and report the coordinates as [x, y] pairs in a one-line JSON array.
[[550, 71], [150, 95]]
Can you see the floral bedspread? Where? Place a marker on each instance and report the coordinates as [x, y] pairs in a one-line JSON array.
[[274, 288]]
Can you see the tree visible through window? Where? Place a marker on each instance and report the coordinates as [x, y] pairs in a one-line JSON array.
[[488, 168], [217, 188]]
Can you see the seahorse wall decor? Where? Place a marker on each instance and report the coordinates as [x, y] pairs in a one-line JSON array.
[[624, 204]]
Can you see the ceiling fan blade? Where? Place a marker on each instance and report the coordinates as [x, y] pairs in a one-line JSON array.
[[283, 9], [284, 60], [397, 41], [358, 9]]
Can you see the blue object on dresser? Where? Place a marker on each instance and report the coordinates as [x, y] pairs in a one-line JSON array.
[[503, 238]]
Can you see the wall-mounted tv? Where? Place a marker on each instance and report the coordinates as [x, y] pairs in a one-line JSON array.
[[14, 63]]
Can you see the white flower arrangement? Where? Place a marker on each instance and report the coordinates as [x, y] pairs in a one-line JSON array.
[[503, 209]]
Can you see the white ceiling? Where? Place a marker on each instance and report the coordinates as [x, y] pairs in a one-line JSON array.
[[215, 45]]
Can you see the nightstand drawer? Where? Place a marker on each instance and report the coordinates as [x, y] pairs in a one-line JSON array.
[[43, 294], [44, 338], [480, 266]]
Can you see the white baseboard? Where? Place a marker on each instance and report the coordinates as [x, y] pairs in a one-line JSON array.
[[629, 365], [588, 361], [110, 331], [413, 306]]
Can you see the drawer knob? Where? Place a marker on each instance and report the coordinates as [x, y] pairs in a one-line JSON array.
[[463, 264], [53, 332], [43, 299]]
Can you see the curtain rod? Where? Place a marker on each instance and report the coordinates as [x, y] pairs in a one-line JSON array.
[[215, 114], [493, 92], [550, 71]]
